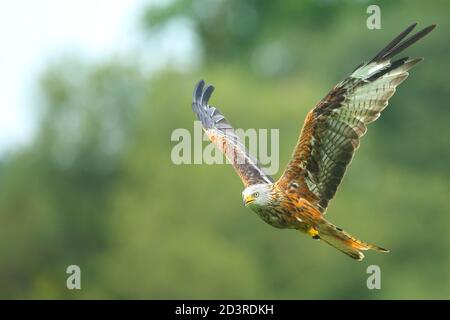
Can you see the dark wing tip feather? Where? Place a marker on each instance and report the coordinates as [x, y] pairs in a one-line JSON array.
[[208, 115], [198, 91], [206, 94], [397, 45], [410, 41], [394, 42], [201, 94]]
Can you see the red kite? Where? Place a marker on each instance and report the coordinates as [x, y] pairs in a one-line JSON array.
[[331, 133]]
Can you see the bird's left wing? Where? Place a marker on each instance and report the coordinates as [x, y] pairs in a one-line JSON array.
[[333, 129], [222, 134]]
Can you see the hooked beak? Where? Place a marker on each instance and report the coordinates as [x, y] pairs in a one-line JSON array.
[[248, 199]]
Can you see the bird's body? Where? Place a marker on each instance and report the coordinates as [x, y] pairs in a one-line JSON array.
[[277, 208], [330, 135], [281, 210]]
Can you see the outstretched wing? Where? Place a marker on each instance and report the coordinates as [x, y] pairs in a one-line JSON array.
[[333, 129], [222, 134]]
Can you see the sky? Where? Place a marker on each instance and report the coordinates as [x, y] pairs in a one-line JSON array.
[[32, 33]]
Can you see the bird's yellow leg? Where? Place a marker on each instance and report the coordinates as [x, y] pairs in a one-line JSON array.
[[313, 233]]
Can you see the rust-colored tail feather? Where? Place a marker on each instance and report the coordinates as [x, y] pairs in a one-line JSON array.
[[345, 242]]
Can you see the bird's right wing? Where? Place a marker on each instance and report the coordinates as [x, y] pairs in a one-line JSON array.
[[222, 134]]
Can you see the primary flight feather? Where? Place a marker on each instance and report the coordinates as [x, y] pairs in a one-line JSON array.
[[330, 135]]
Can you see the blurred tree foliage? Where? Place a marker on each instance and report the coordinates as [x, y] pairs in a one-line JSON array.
[[97, 187]]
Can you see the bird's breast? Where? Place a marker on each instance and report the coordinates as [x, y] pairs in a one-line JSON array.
[[275, 217]]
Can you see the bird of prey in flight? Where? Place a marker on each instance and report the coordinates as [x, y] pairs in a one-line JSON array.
[[329, 137]]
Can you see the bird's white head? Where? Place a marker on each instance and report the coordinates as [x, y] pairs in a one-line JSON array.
[[257, 195]]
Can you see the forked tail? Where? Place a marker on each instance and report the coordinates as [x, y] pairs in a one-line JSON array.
[[345, 242]]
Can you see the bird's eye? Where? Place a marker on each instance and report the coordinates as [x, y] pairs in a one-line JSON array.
[[256, 195]]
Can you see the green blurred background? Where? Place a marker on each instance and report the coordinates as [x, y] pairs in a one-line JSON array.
[[97, 187]]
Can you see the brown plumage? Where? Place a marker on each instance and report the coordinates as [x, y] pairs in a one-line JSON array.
[[328, 140]]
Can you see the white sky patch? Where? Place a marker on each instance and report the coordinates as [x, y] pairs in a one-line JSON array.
[[32, 33], [175, 46]]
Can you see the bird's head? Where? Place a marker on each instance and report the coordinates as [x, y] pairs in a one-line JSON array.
[[257, 195]]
